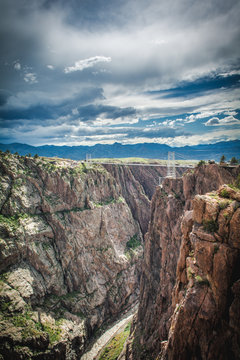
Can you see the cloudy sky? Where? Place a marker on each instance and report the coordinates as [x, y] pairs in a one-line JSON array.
[[81, 72]]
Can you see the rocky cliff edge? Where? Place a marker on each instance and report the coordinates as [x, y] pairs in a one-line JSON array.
[[189, 274]]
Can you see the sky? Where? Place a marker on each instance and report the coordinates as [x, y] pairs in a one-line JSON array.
[[82, 72]]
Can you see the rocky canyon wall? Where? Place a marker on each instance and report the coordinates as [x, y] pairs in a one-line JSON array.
[[138, 184], [189, 284], [70, 249]]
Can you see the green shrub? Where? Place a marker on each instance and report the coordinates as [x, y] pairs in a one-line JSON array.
[[120, 200], [53, 331], [4, 306], [133, 243], [223, 204], [11, 221], [210, 225], [224, 193], [190, 273], [201, 281], [46, 246], [223, 158], [201, 162], [234, 161], [227, 216]]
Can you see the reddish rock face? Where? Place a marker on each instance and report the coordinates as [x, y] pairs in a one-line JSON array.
[[188, 269], [204, 324]]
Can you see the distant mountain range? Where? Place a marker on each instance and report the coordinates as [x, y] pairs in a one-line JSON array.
[[117, 150]]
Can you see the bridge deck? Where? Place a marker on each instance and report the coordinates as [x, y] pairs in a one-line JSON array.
[[134, 164]]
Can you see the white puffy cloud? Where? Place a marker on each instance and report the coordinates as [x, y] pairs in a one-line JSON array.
[[17, 66], [229, 120], [86, 63], [30, 78]]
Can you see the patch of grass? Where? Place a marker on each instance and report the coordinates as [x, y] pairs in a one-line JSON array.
[[120, 200], [11, 221], [191, 253], [17, 183], [214, 196], [224, 193], [109, 201], [3, 277], [46, 246], [21, 320], [227, 216], [210, 225], [4, 306], [53, 331], [223, 204], [201, 281], [190, 273], [133, 243], [115, 346]]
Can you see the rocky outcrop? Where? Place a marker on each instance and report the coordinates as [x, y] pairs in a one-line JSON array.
[[70, 249], [206, 319], [163, 246]]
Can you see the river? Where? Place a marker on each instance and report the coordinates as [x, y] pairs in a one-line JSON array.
[[101, 342]]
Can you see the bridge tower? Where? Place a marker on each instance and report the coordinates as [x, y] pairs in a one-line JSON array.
[[171, 169], [88, 157]]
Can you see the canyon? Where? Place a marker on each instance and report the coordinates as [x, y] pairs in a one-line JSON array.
[[73, 258]]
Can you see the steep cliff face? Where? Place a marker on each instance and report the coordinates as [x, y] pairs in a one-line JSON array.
[[206, 319], [138, 184], [70, 249], [161, 253]]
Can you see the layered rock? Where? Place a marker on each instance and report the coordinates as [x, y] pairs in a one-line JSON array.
[[70, 249], [206, 319], [162, 249]]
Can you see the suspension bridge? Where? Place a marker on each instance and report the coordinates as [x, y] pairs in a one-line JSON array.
[[171, 164]]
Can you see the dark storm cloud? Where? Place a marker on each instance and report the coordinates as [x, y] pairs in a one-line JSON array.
[[91, 112], [58, 112], [200, 86], [4, 95], [47, 108]]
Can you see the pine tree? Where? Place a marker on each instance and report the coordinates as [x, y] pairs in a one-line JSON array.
[[222, 160]]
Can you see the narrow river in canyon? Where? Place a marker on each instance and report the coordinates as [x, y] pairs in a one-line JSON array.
[[111, 331]]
